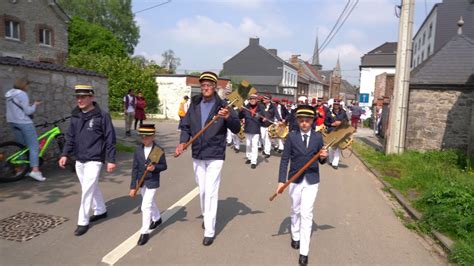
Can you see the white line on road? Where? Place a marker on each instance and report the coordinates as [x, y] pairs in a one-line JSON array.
[[121, 250]]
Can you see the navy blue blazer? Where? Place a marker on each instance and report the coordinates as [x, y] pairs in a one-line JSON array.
[[252, 124], [269, 115], [152, 179], [292, 122], [284, 112], [333, 116], [211, 145], [296, 154]]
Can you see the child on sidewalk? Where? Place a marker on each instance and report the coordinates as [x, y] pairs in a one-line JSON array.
[[150, 214]]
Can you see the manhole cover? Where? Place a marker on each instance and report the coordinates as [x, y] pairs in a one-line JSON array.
[[23, 226]]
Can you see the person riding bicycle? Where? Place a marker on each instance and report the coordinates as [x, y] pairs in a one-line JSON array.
[[91, 139], [19, 113]]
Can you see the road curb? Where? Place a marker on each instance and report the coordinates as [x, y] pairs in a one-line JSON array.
[[445, 241]]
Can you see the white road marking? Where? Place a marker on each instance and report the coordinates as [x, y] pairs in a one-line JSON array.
[[121, 250]]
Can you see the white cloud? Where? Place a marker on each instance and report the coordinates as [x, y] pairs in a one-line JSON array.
[[244, 4], [202, 30]]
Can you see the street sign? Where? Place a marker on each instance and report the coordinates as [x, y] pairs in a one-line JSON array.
[[364, 98]]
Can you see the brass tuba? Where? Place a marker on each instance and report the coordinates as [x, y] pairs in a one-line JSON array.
[[278, 130], [241, 133]]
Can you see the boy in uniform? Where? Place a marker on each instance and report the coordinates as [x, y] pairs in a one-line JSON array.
[[151, 217], [300, 146]]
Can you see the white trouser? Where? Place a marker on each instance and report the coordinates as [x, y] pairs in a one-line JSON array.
[[266, 142], [251, 147], [208, 177], [302, 196], [149, 209], [88, 174], [229, 136], [334, 154], [281, 145], [236, 140]]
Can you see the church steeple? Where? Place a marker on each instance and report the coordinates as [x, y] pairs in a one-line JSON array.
[[315, 60], [337, 69]]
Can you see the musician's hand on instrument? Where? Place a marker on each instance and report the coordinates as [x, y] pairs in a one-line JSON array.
[[280, 185], [224, 113], [336, 123], [62, 162], [150, 168], [132, 193], [111, 167], [324, 153], [180, 148]]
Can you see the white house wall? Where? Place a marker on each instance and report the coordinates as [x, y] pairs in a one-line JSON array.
[[171, 91], [420, 48], [367, 80]]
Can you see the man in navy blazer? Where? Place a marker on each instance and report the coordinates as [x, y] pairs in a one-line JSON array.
[[208, 151], [300, 146]]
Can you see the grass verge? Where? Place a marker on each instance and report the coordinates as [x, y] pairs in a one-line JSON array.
[[124, 148], [439, 184]]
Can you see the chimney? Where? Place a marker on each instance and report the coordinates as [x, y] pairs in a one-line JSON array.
[[254, 41], [273, 51], [294, 59]]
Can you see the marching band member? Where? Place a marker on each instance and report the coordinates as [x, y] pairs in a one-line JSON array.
[[320, 112], [151, 217], [334, 119], [269, 115], [252, 126], [301, 145], [281, 113], [208, 151], [91, 139]]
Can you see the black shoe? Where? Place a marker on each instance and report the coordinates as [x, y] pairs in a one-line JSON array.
[[207, 241], [229, 144], [236, 150], [94, 218], [303, 260], [128, 134], [260, 149], [266, 155], [295, 244], [143, 239], [247, 162], [335, 167], [155, 224], [81, 229], [279, 151], [253, 166]]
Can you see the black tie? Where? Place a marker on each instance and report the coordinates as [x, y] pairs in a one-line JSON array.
[[305, 139]]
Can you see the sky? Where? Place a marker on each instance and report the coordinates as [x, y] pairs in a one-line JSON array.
[[206, 33]]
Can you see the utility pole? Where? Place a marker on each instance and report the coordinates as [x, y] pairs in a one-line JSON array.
[[399, 105]]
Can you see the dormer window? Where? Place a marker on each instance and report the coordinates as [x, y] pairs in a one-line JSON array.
[[12, 30]]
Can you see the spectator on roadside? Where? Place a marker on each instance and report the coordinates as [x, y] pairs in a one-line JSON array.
[[19, 113], [183, 109], [356, 112], [129, 110], [139, 109]]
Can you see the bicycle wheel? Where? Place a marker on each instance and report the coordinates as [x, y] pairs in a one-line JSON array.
[[71, 163], [11, 172]]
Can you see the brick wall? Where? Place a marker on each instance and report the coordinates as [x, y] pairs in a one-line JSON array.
[[440, 118], [33, 15]]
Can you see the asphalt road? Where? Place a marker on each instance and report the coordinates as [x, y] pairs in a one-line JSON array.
[[354, 221]]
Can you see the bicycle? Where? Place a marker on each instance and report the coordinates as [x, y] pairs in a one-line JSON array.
[[14, 162]]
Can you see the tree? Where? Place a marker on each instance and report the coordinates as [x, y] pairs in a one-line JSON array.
[[170, 61], [195, 73], [114, 15], [85, 37], [123, 73]]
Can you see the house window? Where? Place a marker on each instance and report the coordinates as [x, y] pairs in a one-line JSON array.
[[429, 51], [45, 37], [12, 30], [424, 37], [422, 56], [430, 30], [414, 48]]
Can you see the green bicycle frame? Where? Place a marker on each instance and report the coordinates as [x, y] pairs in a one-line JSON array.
[[49, 135]]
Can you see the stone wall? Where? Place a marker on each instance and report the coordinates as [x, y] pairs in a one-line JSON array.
[[440, 118], [55, 89], [33, 15]]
